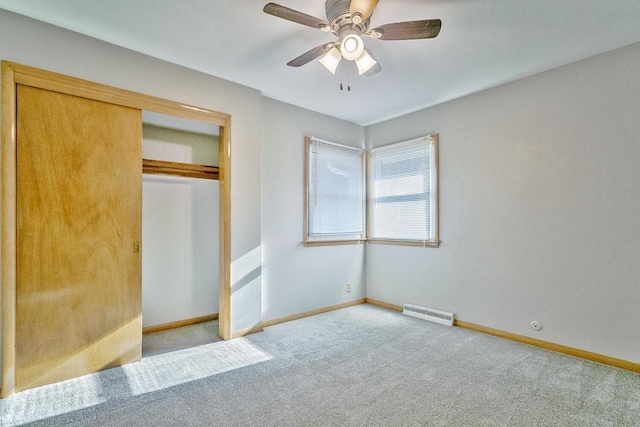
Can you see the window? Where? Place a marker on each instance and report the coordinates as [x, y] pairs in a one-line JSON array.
[[334, 193], [403, 193]]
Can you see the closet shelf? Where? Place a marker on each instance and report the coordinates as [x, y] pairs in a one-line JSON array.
[[188, 170]]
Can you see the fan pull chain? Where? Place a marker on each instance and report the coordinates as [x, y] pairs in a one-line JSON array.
[[348, 79]]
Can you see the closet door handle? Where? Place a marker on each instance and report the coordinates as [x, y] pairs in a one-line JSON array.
[[136, 247]]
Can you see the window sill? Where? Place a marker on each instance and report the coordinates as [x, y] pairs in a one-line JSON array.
[[420, 243], [310, 243]]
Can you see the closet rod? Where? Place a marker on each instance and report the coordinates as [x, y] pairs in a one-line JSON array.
[[187, 170]]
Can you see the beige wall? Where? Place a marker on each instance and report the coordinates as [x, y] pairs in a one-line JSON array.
[[297, 278], [540, 208]]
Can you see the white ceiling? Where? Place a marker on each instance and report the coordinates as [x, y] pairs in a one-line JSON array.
[[483, 43]]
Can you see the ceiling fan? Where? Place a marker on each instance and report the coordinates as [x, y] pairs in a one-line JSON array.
[[349, 20]]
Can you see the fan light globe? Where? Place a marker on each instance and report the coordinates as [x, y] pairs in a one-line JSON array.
[[331, 60], [352, 47], [365, 62], [350, 44]]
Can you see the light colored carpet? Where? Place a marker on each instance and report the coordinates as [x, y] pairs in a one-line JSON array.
[[180, 338], [360, 366]]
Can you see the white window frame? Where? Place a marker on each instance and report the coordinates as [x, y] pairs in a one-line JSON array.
[[330, 239], [434, 240]]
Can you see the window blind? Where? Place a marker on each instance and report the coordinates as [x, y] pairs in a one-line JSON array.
[[402, 191], [335, 191]]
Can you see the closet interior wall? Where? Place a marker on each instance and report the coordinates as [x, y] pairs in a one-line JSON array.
[[180, 223]]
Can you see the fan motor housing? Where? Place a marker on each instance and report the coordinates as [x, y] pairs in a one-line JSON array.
[[339, 16]]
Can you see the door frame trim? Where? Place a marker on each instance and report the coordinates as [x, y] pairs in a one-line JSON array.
[[13, 74]]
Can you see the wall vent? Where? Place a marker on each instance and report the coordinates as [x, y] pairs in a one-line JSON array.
[[438, 316]]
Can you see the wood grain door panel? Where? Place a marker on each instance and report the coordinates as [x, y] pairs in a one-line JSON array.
[[78, 291]]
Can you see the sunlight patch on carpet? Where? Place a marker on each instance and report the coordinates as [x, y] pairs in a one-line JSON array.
[[147, 376]]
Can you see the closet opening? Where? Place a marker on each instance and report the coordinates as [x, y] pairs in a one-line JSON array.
[[180, 233]]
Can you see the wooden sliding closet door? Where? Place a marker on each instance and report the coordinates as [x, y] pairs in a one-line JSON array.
[[79, 189]]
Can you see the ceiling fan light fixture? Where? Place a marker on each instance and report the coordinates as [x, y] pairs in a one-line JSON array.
[[349, 21], [352, 47], [331, 60], [365, 62], [373, 70]]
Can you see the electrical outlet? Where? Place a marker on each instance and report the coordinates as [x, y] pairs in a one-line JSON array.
[[348, 286], [536, 325]]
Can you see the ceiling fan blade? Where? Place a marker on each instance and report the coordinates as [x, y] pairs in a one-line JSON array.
[[294, 16], [309, 56], [410, 30], [363, 7]]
